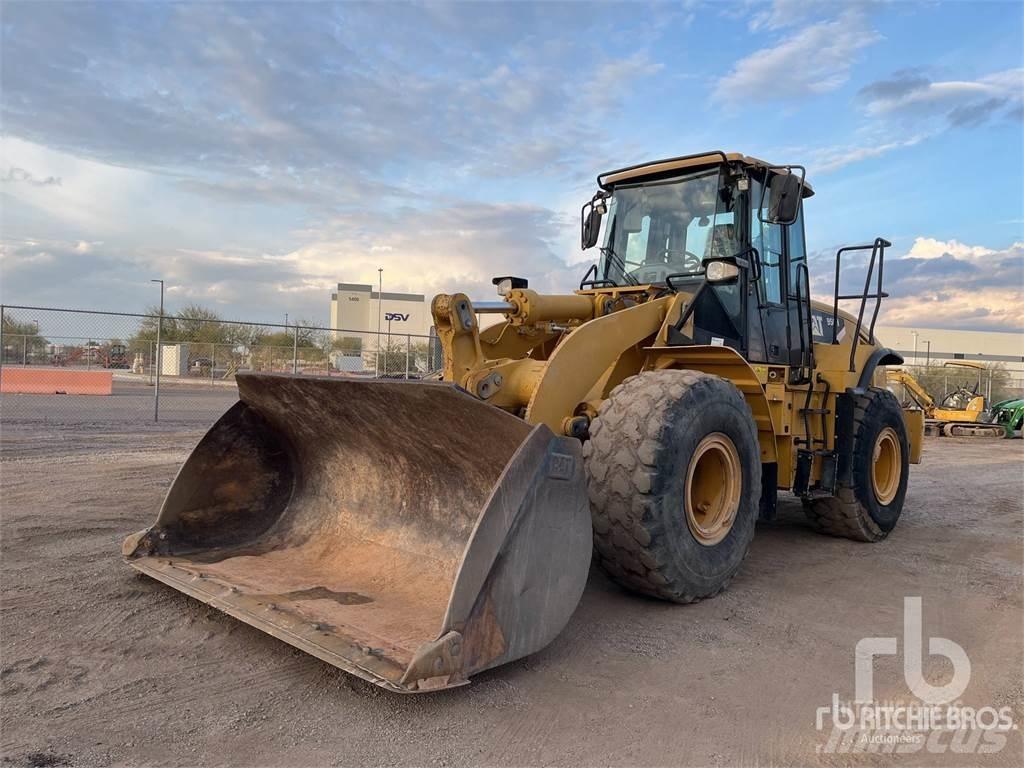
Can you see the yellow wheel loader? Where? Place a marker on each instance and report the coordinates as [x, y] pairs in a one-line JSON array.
[[960, 413], [416, 533]]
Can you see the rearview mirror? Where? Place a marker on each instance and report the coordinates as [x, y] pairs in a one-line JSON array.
[[590, 221], [785, 191], [591, 228]]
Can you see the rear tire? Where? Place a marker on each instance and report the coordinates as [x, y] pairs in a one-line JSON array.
[[674, 478], [869, 509]]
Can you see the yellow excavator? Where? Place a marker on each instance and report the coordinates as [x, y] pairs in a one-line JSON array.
[[416, 533], [961, 413]]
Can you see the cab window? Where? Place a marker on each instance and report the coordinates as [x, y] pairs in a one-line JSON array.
[[767, 239]]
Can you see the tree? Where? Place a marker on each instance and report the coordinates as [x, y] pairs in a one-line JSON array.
[[148, 328], [198, 324], [22, 340]]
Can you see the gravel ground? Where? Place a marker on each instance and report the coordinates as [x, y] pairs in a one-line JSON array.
[[103, 666]]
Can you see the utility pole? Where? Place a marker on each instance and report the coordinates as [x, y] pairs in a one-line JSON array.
[[928, 354], [380, 314], [159, 353]]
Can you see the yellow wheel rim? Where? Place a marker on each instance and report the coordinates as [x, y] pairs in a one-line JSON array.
[[886, 465], [714, 481]]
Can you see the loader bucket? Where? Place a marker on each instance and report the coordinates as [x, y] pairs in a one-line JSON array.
[[404, 531]]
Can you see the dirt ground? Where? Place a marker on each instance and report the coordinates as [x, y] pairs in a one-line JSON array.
[[103, 666]]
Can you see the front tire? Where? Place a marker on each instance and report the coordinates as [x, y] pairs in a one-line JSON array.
[[674, 477], [869, 508]]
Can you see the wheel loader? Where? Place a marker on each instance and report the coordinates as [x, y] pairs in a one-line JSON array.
[[417, 533]]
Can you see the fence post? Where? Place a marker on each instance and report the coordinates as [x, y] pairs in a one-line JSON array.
[[24, 349], [3, 344], [295, 350], [408, 341], [213, 356], [159, 362]]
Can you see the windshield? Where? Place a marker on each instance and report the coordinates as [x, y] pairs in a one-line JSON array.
[[667, 228]]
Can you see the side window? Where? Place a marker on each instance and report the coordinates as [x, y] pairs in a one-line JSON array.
[[767, 239], [797, 250]]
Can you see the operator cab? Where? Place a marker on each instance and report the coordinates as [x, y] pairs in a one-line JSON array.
[[668, 222]]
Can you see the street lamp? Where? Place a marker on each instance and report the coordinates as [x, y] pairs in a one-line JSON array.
[[159, 353], [915, 346]]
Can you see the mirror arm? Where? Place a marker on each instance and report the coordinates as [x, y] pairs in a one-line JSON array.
[[692, 305]]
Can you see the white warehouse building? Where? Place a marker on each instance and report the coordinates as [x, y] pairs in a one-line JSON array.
[[360, 308], [357, 313]]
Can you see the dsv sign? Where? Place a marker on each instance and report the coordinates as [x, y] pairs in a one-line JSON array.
[[389, 316]]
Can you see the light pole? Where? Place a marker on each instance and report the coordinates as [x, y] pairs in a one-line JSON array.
[[915, 346], [380, 314], [159, 353], [928, 353]]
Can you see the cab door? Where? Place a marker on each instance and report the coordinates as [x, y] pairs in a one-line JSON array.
[[798, 296], [768, 309]]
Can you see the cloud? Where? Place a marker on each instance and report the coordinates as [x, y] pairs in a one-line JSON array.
[[912, 95], [459, 247], [909, 99], [250, 153], [455, 247], [786, 13], [16, 175], [211, 92], [941, 282], [930, 248], [811, 61], [831, 159]]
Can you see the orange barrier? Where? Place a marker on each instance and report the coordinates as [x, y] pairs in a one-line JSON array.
[[55, 381]]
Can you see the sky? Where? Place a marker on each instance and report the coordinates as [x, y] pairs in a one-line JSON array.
[[254, 155]]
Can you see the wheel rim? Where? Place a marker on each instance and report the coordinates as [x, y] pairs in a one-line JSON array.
[[885, 469], [713, 485]]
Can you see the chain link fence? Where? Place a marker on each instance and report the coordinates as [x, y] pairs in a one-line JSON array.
[[75, 366], [69, 366]]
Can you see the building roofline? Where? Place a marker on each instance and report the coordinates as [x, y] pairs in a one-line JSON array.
[[387, 296], [399, 296]]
